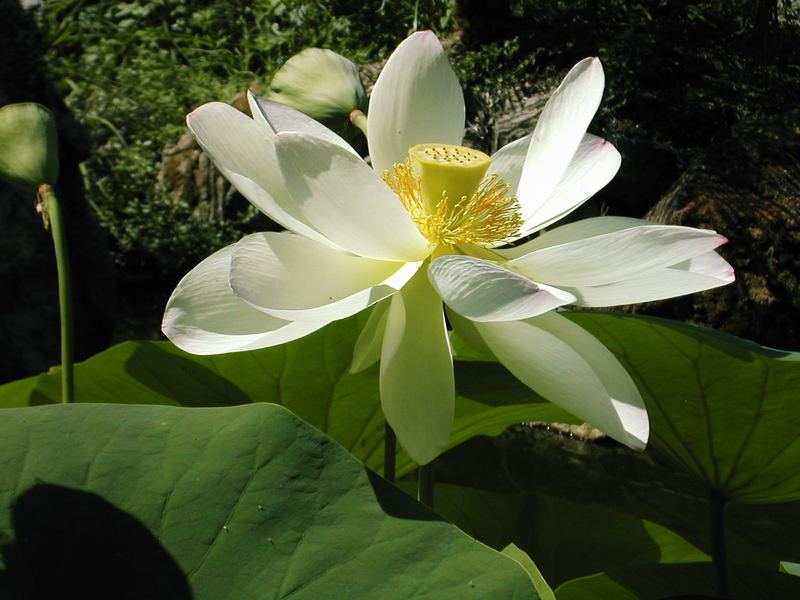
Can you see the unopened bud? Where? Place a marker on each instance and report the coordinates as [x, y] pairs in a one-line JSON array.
[[320, 83], [28, 145]]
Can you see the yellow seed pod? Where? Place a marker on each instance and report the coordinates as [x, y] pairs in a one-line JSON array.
[[446, 170]]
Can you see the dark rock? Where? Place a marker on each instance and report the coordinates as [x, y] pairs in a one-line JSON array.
[[29, 321], [649, 168], [748, 189]]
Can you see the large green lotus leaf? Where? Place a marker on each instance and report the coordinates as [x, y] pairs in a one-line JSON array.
[[238, 502], [726, 409], [680, 581], [565, 539], [723, 407], [519, 555], [309, 376]]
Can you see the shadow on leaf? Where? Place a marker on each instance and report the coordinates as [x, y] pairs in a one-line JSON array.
[[70, 543], [182, 378]]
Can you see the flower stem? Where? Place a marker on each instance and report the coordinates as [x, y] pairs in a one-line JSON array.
[[425, 484], [719, 552], [359, 119], [52, 207], [389, 454]]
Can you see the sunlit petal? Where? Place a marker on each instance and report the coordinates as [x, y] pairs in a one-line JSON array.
[[416, 379], [279, 117], [703, 272], [346, 202], [571, 232], [566, 365], [594, 164], [203, 316], [291, 277], [616, 256], [484, 291], [417, 99], [558, 133], [508, 161], [367, 350], [244, 152]]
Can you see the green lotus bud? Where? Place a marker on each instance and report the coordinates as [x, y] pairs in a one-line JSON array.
[[320, 83], [28, 145]]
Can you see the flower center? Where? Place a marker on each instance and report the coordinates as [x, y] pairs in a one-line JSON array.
[[443, 188]]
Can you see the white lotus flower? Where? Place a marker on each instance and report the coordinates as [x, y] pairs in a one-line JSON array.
[[426, 223]]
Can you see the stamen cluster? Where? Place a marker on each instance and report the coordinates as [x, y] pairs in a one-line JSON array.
[[487, 217]]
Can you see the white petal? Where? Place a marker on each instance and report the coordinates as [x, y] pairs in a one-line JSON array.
[[344, 200], [566, 365], [203, 316], [595, 163], [571, 232], [484, 291], [367, 350], [291, 277], [508, 161], [468, 332], [416, 381], [279, 117], [700, 273], [617, 256], [244, 152], [558, 132], [416, 100]]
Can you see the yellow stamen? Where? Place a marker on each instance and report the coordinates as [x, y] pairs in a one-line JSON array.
[[485, 215]]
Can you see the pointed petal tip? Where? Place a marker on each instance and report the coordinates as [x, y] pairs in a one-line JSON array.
[[425, 41], [729, 276], [591, 67], [635, 423], [426, 34], [192, 116], [590, 62], [595, 62], [636, 444], [201, 110]]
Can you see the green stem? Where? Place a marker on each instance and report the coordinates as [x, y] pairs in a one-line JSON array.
[[425, 484], [52, 207], [359, 119], [719, 552], [389, 454]]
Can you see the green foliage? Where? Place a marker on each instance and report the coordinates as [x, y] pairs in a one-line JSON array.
[[523, 559], [723, 409], [249, 502], [308, 376], [656, 582]]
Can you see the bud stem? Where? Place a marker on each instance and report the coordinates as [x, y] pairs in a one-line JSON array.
[[52, 207], [389, 454], [359, 119], [425, 484]]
